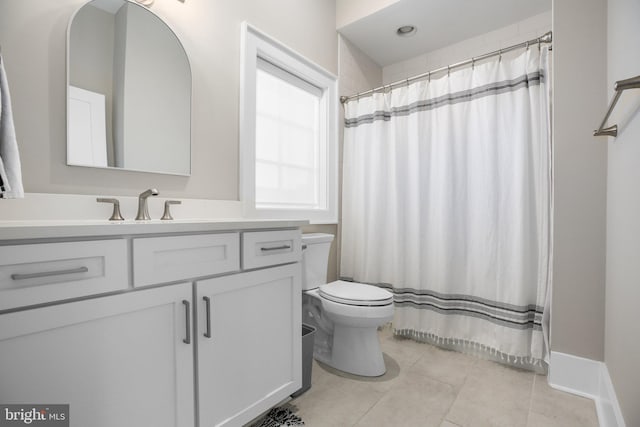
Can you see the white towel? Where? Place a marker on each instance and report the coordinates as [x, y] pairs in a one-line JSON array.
[[10, 169]]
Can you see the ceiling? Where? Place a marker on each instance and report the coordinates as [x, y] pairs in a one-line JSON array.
[[440, 23]]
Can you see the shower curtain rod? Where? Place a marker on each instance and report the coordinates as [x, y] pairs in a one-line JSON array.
[[545, 38]]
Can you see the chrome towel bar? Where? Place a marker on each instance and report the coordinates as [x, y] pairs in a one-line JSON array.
[[620, 86]]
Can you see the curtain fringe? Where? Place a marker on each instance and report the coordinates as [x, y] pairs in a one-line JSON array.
[[476, 349]]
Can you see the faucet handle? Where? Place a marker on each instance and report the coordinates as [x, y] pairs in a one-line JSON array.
[[167, 206], [116, 215]]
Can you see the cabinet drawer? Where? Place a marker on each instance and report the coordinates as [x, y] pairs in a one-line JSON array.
[[168, 259], [264, 248], [41, 273]]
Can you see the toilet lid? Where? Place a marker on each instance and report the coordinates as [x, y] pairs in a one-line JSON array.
[[353, 293]]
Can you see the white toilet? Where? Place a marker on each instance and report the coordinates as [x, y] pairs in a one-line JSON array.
[[346, 315]]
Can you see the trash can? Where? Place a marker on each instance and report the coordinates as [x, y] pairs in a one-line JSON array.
[[308, 335]]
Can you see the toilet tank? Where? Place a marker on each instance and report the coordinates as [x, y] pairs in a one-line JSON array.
[[315, 259]]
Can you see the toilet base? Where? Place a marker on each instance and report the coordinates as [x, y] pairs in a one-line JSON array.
[[347, 336], [357, 351]]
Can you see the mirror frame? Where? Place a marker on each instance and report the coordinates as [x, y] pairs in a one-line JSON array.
[[67, 82]]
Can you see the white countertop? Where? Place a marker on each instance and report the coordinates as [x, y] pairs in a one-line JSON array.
[[43, 229]]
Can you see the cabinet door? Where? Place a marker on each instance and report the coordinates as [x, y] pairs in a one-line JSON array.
[[118, 360], [249, 343]]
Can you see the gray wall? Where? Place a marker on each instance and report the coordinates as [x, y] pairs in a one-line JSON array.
[[622, 337], [579, 100], [33, 36]]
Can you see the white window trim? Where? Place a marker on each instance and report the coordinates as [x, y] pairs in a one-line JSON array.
[[254, 44]]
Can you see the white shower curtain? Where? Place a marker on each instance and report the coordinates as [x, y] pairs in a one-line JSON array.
[[447, 202]]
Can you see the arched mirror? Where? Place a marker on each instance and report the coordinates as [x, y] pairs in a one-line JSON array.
[[129, 91]]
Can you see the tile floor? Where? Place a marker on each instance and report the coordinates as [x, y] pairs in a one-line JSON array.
[[427, 386]]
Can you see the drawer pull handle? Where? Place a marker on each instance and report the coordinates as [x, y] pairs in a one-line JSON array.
[[18, 276], [187, 312], [276, 248], [207, 302]]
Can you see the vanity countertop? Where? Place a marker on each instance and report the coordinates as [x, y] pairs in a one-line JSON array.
[[16, 230]]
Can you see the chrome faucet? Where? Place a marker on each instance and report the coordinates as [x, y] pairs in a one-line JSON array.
[[143, 208]]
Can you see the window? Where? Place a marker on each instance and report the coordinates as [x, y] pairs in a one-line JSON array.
[[288, 134]]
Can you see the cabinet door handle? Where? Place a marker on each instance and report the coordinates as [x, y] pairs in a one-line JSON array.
[[207, 303], [19, 276], [187, 312], [276, 248]]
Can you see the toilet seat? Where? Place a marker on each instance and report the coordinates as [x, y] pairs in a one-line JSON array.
[[357, 294]]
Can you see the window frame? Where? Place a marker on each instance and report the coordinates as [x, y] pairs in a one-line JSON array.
[[256, 44]]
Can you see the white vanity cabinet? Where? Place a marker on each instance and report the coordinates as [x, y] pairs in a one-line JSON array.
[[175, 329], [249, 341], [118, 360]]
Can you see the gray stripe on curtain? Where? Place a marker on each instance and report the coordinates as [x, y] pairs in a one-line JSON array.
[[456, 297], [492, 89], [529, 324], [508, 315]]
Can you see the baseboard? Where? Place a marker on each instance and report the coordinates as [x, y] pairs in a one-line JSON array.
[[609, 412], [587, 378], [575, 374]]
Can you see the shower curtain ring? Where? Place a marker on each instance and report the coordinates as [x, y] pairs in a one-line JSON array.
[[448, 70], [538, 43], [527, 45], [473, 63], [429, 76], [500, 55], [406, 82], [358, 97]]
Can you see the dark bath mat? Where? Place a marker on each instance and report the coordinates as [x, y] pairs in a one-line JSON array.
[[279, 417]]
